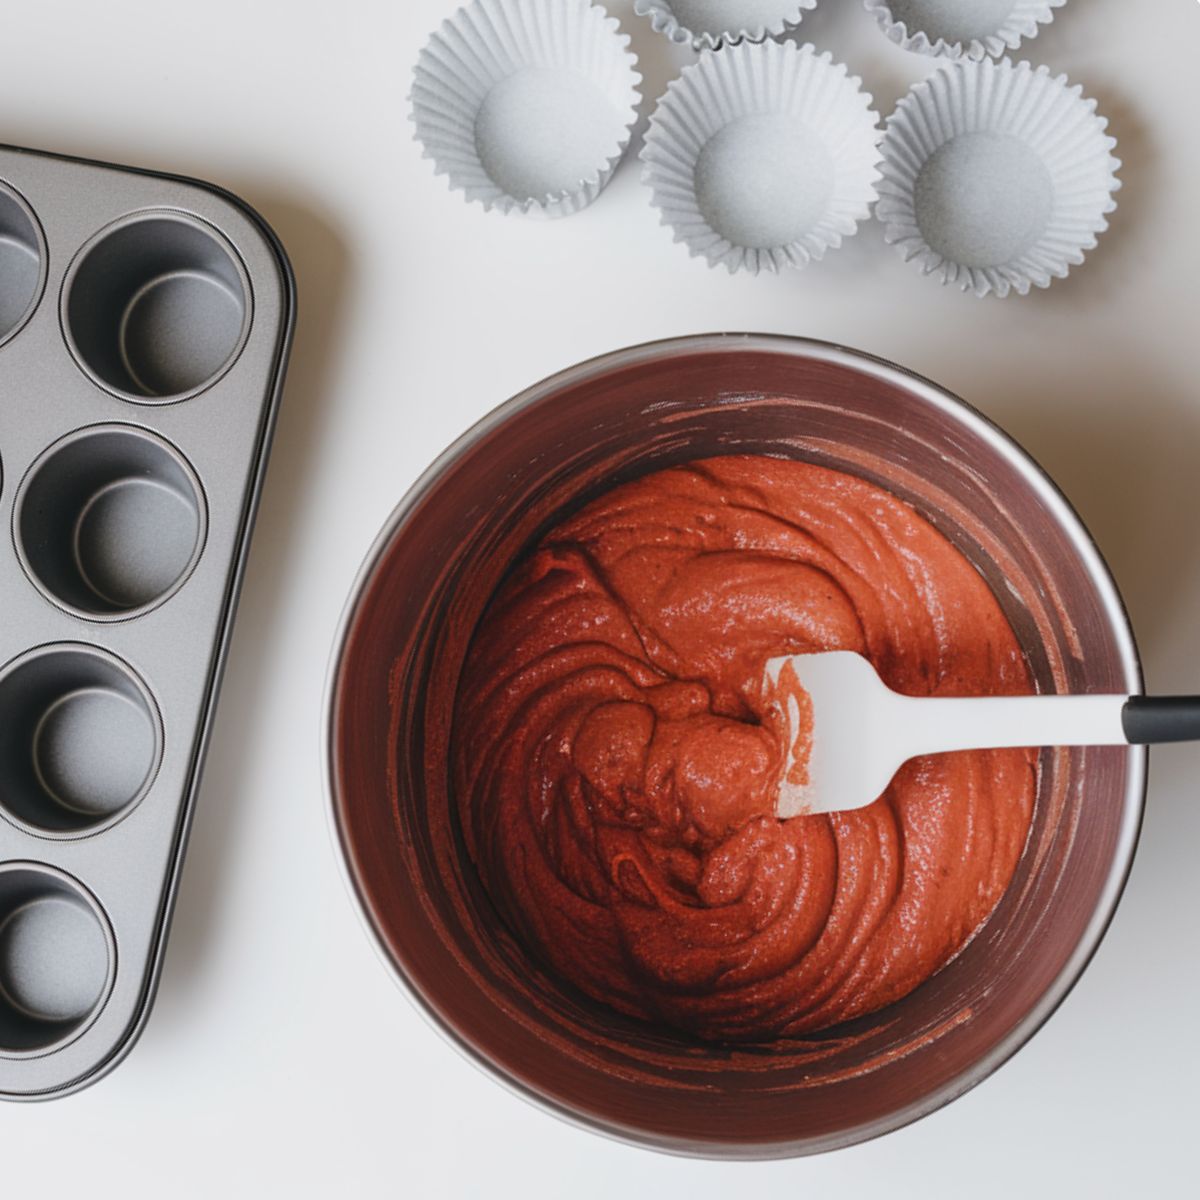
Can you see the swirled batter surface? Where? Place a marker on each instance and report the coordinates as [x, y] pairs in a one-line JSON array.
[[616, 769]]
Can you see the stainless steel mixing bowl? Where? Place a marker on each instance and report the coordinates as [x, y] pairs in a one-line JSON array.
[[392, 687]]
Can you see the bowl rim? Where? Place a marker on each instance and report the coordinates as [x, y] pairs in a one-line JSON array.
[[1061, 509]]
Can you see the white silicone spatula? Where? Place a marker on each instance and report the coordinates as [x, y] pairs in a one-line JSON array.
[[859, 732]]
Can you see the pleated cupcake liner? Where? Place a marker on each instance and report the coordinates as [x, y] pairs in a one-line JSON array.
[[763, 157], [527, 105], [919, 25], [711, 24], [996, 177]]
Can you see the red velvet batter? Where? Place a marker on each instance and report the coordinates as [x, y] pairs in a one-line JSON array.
[[617, 778]]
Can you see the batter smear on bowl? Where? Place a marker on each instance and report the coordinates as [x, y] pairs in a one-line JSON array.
[[617, 764]]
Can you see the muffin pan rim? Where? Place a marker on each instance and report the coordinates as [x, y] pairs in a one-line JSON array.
[[72, 437], [80, 890], [158, 728], [126, 221], [39, 292]]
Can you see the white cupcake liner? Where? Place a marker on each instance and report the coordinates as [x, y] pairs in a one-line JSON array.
[[972, 29], [996, 177], [711, 24], [763, 157], [527, 104]]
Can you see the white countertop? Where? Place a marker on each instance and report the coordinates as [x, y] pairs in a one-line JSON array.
[[281, 1058]]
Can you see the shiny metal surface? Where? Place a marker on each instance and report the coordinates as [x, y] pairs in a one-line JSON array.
[[145, 322]]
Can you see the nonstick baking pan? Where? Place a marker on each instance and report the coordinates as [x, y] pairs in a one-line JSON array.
[[145, 324]]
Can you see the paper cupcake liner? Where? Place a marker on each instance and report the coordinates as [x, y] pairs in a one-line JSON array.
[[972, 29], [996, 177], [763, 157], [527, 104], [711, 24]]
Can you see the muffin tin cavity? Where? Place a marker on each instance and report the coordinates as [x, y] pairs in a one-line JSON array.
[[157, 307], [57, 959], [110, 522], [22, 263], [80, 740]]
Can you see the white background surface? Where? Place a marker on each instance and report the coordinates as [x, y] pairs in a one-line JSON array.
[[281, 1059]]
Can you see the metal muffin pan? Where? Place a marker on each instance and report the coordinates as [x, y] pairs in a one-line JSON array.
[[145, 324]]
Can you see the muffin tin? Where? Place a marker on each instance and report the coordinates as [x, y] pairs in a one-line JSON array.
[[145, 323]]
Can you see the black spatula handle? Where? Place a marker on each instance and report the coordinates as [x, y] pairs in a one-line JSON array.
[[1152, 720]]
